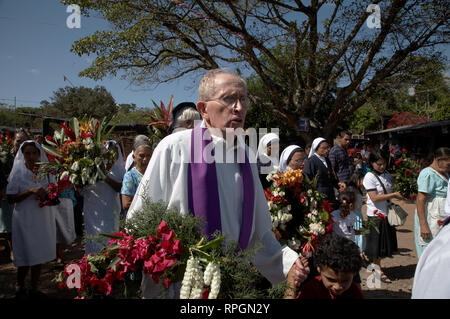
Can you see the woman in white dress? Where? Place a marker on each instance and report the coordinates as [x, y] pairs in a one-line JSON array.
[[102, 204], [33, 227]]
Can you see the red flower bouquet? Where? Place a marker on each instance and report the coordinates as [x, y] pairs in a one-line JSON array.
[[123, 260], [406, 172]]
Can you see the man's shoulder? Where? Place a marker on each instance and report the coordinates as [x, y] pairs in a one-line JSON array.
[[177, 138]]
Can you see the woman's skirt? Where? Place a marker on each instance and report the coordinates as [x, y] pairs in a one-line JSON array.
[[65, 225], [381, 243]]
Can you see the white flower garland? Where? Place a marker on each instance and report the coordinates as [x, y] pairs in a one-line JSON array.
[[194, 280]]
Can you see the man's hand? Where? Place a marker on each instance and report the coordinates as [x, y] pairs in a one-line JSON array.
[[297, 274]]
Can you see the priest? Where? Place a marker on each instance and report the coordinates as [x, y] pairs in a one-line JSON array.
[[203, 172]]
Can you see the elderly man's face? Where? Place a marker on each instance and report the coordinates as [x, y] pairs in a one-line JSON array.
[[228, 104]]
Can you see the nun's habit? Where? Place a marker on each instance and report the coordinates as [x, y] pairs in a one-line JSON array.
[[321, 166], [286, 156], [33, 227]]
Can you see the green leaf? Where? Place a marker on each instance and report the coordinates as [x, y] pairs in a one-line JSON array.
[[114, 262], [213, 244], [51, 150]]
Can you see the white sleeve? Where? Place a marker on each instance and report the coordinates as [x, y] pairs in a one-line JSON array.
[[13, 187], [165, 178], [272, 260], [431, 279], [370, 182]]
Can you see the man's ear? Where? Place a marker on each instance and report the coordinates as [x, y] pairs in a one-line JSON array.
[[201, 107]]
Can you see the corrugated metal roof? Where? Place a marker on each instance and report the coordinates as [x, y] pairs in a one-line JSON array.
[[412, 127]]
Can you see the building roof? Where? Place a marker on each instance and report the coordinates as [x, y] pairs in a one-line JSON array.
[[412, 127]]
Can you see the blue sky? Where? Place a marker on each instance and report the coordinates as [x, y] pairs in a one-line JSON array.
[[35, 56]]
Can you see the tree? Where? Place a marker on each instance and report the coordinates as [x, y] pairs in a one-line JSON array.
[[393, 100], [77, 101], [162, 40]]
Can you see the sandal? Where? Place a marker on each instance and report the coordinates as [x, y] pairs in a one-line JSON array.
[[385, 279]]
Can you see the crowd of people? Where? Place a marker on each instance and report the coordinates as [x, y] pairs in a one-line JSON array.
[[229, 196]]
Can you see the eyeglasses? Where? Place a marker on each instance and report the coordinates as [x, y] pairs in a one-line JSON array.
[[231, 101]]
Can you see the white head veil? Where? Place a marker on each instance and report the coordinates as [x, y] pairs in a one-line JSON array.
[[20, 173], [314, 145], [118, 169], [287, 152], [262, 149]]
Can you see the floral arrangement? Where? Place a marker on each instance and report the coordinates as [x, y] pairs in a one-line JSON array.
[[300, 216], [406, 172], [168, 247], [126, 256], [161, 118], [53, 191], [78, 151], [7, 151]]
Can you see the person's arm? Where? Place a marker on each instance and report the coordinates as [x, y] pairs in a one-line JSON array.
[[126, 201], [16, 198], [425, 231], [115, 185], [374, 197]]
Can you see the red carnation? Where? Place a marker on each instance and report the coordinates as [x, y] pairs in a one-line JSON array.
[[398, 162], [407, 173]]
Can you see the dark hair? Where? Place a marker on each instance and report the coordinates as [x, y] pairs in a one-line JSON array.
[[441, 152], [343, 133], [346, 198], [308, 145], [356, 176], [25, 144], [338, 253], [374, 157]]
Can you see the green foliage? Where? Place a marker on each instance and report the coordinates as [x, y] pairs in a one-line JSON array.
[[76, 101], [239, 278]]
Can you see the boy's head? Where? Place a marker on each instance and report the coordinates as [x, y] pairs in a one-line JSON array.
[[337, 260]]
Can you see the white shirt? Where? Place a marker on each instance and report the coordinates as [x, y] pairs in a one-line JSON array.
[[432, 280], [166, 179], [344, 227], [371, 183]]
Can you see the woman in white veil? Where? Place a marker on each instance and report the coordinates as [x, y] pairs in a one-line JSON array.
[[267, 161], [101, 203], [33, 227]]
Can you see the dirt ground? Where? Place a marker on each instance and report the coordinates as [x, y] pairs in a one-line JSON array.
[[400, 269]]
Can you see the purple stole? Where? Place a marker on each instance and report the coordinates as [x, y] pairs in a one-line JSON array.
[[203, 193]]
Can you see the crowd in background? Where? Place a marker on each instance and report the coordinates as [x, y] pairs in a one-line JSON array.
[[348, 178]]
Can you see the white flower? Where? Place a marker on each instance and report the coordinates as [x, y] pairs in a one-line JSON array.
[[215, 283], [316, 229], [270, 204], [309, 192], [282, 193], [87, 141], [289, 207], [75, 166], [192, 281]]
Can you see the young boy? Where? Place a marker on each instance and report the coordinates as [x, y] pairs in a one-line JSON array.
[[337, 260]]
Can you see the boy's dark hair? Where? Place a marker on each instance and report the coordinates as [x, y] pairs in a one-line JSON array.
[[338, 253]]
